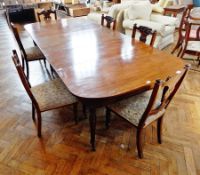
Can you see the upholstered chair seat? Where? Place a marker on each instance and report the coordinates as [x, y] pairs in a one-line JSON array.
[[133, 108], [147, 107], [34, 53], [193, 46], [52, 95]]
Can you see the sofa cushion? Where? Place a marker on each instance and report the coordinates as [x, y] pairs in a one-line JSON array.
[[140, 11], [157, 8], [153, 25], [168, 30], [114, 10], [166, 20]]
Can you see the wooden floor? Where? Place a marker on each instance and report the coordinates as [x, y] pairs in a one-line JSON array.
[[65, 149]]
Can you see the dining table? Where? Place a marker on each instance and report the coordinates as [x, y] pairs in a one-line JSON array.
[[98, 65]]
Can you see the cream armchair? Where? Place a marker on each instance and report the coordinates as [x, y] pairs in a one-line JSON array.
[[116, 11], [160, 5], [142, 16]]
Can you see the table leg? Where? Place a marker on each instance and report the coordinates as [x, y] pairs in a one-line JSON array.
[[92, 119]]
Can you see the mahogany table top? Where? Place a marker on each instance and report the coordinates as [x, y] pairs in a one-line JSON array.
[[95, 62]]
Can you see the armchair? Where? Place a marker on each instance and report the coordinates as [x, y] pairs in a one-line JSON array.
[[142, 16], [115, 11]]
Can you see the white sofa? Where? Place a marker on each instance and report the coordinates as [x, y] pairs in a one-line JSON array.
[[116, 11], [142, 16]]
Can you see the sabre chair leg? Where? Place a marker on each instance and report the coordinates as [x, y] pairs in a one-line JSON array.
[[33, 112], [45, 63], [27, 70], [139, 142], [159, 129], [39, 124]]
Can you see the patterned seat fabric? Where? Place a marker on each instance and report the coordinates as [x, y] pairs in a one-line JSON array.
[[193, 46], [52, 94], [34, 53], [133, 108]]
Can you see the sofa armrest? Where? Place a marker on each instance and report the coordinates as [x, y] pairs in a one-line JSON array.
[[165, 20], [159, 28]]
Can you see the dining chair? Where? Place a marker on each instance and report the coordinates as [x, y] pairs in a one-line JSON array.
[[143, 109], [46, 14], [29, 54], [110, 22], [181, 30], [47, 96], [144, 33], [192, 45]]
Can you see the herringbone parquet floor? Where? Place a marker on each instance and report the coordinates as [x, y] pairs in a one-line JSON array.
[[65, 149]]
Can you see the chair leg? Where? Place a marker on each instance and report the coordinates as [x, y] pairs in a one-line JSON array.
[[139, 142], [183, 53], [27, 70], [45, 63], [159, 129], [23, 64], [75, 110], [84, 110], [108, 114], [39, 124], [198, 59], [177, 46], [33, 112], [180, 51]]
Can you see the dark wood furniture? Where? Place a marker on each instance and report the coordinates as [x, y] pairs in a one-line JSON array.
[[47, 96], [28, 54], [99, 65], [110, 22], [143, 109], [192, 45], [144, 32], [181, 30], [19, 14], [174, 10], [74, 10], [46, 14]]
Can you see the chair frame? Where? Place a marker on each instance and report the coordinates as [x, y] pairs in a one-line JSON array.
[[165, 101], [35, 106], [188, 38], [109, 20], [144, 31], [181, 28], [47, 14], [23, 51]]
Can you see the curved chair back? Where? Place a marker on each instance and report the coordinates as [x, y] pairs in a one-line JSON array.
[[163, 92], [17, 37], [47, 14], [23, 78], [144, 33]]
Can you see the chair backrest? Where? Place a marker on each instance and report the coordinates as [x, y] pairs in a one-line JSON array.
[[17, 37], [144, 33], [184, 18], [47, 14], [23, 78], [163, 92], [109, 21]]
